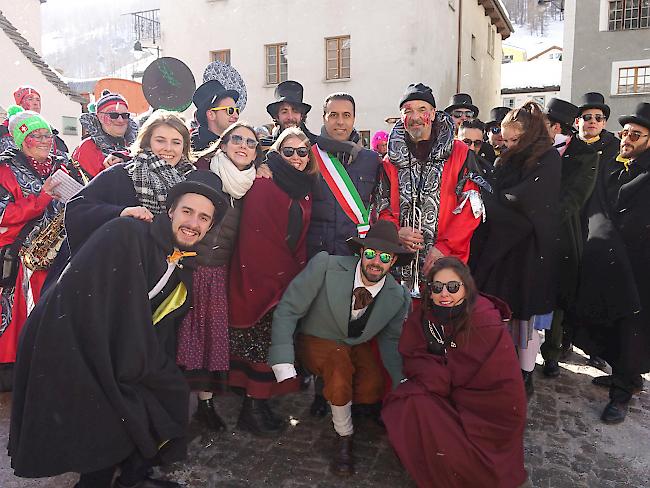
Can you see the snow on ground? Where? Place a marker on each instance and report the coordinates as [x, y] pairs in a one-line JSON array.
[[532, 74], [534, 43]]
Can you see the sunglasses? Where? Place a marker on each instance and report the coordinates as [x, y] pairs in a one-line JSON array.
[[287, 152], [452, 286], [463, 113], [240, 141], [117, 115], [588, 117], [476, 143], [632, 135], [41, 138], [384, 257], [495, 129], [229, 110]]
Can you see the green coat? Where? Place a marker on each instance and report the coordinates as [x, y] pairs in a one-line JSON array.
[[320, 298]]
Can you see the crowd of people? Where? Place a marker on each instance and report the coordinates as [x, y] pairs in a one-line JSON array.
[[410, 281]]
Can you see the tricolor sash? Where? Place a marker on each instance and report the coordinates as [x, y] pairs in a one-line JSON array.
[[346, 194]]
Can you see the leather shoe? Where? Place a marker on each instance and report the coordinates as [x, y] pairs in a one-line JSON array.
[[148, 483], [343, 464], [208, 417], [551, 369], [254, 418], [528, 383], [606, 382], [598, 363], [319, 406], [614, 412]]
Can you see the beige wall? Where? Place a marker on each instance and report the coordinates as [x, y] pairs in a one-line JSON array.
[[392, 45], [26, 17]]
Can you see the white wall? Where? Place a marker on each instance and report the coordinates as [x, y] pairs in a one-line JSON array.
[[392, 45], [25, 16], [521, 98]]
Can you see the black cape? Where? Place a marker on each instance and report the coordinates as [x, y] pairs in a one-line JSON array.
[[94, 378]]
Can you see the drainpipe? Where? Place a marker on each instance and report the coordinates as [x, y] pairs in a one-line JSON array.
[[459, 60]]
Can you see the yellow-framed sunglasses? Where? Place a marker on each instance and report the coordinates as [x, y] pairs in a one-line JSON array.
[[230, 110]]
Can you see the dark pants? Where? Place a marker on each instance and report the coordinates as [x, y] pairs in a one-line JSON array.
[[552, 346]]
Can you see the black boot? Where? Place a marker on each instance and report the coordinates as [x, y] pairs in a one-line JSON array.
[[614, 412], [343, 463], [207, 416], [551, 369], [528, 383], [319, 406], [270, 415], [254, 418]]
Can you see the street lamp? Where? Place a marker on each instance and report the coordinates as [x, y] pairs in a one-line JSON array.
[[557, 4], [140, 48]]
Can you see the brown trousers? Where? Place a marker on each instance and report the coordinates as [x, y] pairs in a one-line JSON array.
[[350, 373]]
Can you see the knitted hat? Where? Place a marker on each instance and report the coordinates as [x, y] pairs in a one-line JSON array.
[[109, 99], [22, 91], [24, 122], [418, 92]]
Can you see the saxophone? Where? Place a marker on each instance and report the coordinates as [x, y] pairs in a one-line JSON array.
[[45, 246]]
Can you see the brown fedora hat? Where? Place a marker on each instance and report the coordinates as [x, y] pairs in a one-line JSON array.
[[382, 236]]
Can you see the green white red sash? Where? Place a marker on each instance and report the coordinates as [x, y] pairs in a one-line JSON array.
[[346, 194]]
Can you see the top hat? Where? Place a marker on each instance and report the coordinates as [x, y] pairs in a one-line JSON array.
[[382, 236], [207, 94], [641, 117], [288, 91], [204, 183], [562, 111], [462, 100], [497, 114], [593, 100]]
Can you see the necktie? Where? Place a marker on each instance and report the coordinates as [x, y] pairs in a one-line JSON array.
[[362, 298]]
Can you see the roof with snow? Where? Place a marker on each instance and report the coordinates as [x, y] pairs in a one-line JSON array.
[[30, 53], [499, 16], [538, 75]]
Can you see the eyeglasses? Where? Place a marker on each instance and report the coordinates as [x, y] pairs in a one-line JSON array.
[[463, 113], [117, 115], [476, 143], [495, 129], [384, 257], [41, 138], [287, 152], [240, 141], [632, 135], [588, 117], [452, 286], [230, 110]]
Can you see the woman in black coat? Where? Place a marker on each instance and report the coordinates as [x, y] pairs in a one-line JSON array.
[[514, 254]]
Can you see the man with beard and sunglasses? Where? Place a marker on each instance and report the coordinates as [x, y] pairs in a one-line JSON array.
[[592, 117], [431, 185], [614, 293], [337, 305], [108, 134]]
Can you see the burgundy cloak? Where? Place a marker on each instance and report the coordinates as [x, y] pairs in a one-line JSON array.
[[459, 423], [263, 265]]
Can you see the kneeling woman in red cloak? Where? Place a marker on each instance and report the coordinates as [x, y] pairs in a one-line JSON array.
[[457, 420]]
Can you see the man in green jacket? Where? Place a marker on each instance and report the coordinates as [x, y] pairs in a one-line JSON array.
[[342, 302]]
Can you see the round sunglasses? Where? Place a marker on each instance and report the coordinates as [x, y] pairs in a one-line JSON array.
[[370, 254], [463, 113], [287, 151], [240, 141], [631, 135], [229, 110], [117, 115], [452, 286]]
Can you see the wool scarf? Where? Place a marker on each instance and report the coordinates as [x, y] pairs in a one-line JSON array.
[[297, 184], [236, 182]]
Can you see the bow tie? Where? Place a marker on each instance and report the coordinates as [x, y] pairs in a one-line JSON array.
[[362, 297], [177, 255]]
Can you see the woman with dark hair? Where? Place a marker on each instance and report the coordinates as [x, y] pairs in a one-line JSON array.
[[514, 254], [458, 418]]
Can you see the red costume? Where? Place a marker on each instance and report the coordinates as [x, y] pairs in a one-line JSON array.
[[89, 157], [458, 421]]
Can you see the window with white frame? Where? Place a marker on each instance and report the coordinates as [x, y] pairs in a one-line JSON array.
[[541, 99], [628, 14], [490, 43], [509, 102], [276, 63], [337, 57], [633, 79]]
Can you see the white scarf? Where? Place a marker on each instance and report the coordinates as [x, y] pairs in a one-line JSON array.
[[236, 182]]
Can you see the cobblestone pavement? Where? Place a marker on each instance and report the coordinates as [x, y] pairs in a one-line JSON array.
[[566, 445]]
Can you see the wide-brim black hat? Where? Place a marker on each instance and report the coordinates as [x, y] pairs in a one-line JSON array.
[[290, 92], [208, 93], [382, 236], [462, 100], [641, 117], [562, 111], [593, 100], [204, 183], [497, 114]]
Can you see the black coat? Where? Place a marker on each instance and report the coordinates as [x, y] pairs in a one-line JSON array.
[[607, 146], [579, 170], [513, 256], [95, 379]]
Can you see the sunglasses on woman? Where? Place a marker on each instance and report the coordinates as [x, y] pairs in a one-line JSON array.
[[287, 152], [588, 117], [384, 257], [240, 141], [117, 115], [229, 110], [632, 135], [452, 286]]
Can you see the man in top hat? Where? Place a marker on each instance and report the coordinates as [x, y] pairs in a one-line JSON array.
[[109, 132], [461, 108], [493, 130], [337, 304], [96, 381], [579, 170], [614, 296], [471, 133], [593, 114], [216, 110], [429, 189], [288, 109]]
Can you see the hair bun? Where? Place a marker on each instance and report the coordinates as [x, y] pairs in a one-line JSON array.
[[14, 109]]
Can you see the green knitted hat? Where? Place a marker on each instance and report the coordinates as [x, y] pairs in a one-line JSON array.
[[24, 122]]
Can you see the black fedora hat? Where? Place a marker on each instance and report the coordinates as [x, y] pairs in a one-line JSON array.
[[561, 111], [208, 93], [497, 114], [204, 183], [288, 91], [382, 236], [462, 100], [641, 116], [593, 100]]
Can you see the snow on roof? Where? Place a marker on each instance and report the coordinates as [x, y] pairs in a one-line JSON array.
[[532, 74], [522, 38]]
